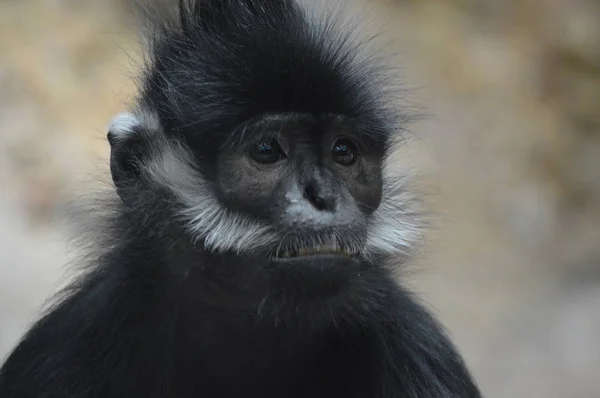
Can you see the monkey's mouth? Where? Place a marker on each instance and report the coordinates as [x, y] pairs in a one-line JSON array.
[[316, 251]]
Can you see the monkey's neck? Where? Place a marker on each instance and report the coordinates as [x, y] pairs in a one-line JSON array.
[[247, 291], [223, 315], [223, 311]]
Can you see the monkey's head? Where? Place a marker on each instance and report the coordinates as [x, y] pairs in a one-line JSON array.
[[264, 134]]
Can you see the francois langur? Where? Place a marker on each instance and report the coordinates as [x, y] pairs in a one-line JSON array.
[[246, 253]]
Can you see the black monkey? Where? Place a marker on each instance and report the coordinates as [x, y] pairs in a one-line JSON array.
[[247, 252]]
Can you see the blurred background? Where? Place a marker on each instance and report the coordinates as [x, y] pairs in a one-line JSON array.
[[511, 153]]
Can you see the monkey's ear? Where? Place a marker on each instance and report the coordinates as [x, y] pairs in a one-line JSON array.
[[127, 151]]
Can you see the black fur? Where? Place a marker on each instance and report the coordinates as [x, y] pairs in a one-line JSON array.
[[157, 316]]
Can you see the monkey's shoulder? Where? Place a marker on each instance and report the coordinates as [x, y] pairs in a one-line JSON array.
[[92, 345]]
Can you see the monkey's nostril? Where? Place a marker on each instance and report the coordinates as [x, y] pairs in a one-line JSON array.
[[311, 193]]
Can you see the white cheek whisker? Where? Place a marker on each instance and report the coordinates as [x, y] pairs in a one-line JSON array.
[[396, 225], [171, 166]]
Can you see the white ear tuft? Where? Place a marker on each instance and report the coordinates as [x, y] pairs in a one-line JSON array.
[[123, 125]]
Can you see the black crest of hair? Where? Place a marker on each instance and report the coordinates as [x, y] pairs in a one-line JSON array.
[[159, 312], [224, 62]]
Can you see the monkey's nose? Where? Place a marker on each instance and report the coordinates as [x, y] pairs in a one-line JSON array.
[[320, 200]]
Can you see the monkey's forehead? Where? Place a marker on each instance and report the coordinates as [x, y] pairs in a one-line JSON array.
[[222, 63]]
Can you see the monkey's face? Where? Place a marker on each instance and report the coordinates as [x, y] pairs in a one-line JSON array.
[[316, 182], [287, 189]]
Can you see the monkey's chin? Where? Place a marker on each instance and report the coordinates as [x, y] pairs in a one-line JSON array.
[[318, 268]]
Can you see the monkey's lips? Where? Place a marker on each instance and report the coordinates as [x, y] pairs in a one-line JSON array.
[[317, 251], [316, 270]]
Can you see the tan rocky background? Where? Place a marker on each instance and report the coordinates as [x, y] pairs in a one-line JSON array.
[[511, 155]]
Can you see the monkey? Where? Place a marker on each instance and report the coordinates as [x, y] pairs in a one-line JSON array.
[[250, 247]]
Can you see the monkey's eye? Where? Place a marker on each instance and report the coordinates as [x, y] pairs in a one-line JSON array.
[[344, 152], [267, 151]]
